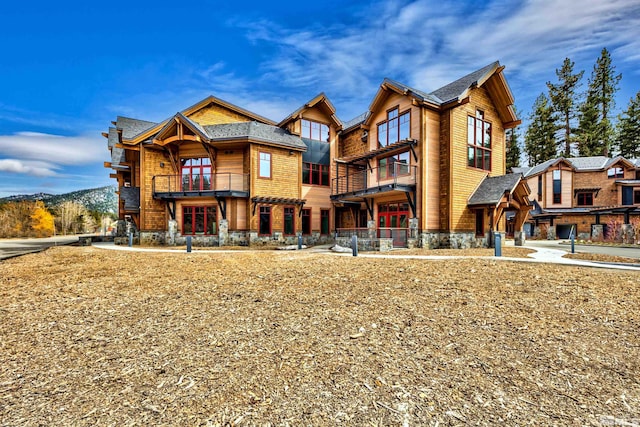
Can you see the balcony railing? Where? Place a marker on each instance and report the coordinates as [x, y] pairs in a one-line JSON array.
[[395, 174], [203, 183]]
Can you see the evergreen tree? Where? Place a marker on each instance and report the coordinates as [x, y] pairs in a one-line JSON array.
[[603, 85], [540, 141], [628, 130], [513, 146], [563, 99]]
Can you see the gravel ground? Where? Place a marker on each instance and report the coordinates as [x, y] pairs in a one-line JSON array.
[[94, 337]]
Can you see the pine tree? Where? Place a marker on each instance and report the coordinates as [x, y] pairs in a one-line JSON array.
[[513, 147], [628, 130], [540, 141], [603, 85], [563, 99]]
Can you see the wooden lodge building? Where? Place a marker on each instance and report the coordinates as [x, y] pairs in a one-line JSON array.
[[416, 169], [587, 195]]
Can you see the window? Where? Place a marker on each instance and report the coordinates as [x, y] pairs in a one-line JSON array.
[[478, 142], [557, 186], [314, 130], [615, 173], [315, 174], [306, 221], [480, 222], [539, 188], [265, 165], [196, 174], [199, 220], [289, 221], [585, 199], [324, 221], [265, 220], [395, 128], [636, 197], [393, 166]]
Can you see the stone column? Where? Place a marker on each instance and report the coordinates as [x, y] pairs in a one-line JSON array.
[[627, 233], [413, 228], [519, 238], [551, 232], [597, 232], [172, 233], [371, 228], [223, 232]]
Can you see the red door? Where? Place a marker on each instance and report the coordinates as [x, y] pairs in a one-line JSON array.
[[393, 222]]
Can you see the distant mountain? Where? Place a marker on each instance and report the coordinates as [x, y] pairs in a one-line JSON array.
[[102, 199]]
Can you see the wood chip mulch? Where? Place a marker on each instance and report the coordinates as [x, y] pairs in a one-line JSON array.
[[98, 337]]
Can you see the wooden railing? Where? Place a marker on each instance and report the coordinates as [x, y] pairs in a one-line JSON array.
[[200, 183], [396, 174]]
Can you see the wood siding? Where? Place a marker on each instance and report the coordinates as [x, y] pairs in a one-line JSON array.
[[216, 115]]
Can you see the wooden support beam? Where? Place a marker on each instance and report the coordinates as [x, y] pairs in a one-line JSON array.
[[128, 147]]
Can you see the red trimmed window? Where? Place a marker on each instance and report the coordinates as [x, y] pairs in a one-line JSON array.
[[557, 186], [613, 173], [306, 221], [478, 142], [315, 174], [393, 166], [584, 199], [314, 130], [265, 221], [289, 221], [396, 128], [196, 174], [199, 220], [324, 221]]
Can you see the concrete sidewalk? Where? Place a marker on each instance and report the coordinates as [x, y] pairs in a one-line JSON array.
[[541, 255]]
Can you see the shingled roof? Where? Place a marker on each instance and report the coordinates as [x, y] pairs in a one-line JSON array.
[[454, 90], [491, 190], [422, 96], [355, 121], [132, 127], [254, 131]]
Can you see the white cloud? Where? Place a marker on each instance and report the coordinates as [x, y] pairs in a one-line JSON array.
[[27, 167], [53, 149]]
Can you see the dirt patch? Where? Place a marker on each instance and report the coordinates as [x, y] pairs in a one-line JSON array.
[[603, 258], [97, 337]]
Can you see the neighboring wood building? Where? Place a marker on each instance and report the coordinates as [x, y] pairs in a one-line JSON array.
[[416, 169], [583, 194]]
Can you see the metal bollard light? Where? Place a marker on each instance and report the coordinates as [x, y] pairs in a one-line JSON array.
[[188, 244], [354, 245], [299, 241], [130, 239], [498, 244]]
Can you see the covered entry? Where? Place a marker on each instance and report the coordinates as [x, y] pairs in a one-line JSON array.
[[500, 194]]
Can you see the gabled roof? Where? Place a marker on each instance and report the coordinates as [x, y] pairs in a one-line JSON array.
[[456, 90], [579, 164], [492, 189], [356, 121], [537, 169], [132, 127], [254, 131], [320, 98], [213, 100]]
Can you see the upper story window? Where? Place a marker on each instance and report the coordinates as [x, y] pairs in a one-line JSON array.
[[539, 188], [615, 173], [196, 174], [585, 199], [395, 128], [314, 130], [315, 174], [478, 142], [392, 166], [557, 186], [265, 165]]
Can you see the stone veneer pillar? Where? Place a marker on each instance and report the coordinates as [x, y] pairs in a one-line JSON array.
[[627, 233], [551, 232], [223, 232], [413, 228], [597, 232], [172, 233], [519, 238], [371, 229]]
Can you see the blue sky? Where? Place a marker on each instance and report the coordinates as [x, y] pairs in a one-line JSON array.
[[69, 68]]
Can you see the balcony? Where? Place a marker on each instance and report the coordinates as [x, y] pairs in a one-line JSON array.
[[204, 185], [398, 177]]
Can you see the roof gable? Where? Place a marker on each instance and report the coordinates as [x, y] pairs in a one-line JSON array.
[[493, 188], [322, 102], [211, 110]]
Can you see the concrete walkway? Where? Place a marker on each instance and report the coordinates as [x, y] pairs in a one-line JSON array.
[[541, 255]]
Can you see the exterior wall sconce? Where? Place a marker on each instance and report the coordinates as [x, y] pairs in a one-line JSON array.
[[161, 164]]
